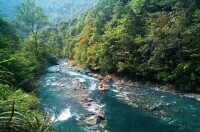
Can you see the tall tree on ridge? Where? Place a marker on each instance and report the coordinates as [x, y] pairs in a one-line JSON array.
[[30, 18]]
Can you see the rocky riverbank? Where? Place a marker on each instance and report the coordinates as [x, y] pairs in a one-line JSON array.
[[125, 85], [128, 92]]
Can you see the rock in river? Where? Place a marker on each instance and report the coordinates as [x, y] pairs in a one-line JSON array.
[[92, 120], [100, 115], [103, 125]]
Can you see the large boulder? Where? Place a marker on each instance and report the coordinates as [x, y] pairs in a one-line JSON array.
[[92, 120], [100, 115], [89, 100]]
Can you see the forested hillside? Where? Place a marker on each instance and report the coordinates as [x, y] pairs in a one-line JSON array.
[[56, 10], [20, 67], [7, 8], [143, 39]]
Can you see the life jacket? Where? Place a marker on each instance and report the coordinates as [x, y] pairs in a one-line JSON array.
[[101, 85]]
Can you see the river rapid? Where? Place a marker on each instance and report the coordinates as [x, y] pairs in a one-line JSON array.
[[70, 95]]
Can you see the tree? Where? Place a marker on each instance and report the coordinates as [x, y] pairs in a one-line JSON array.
[[30, 18]]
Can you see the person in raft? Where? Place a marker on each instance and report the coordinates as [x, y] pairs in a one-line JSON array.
[[102, 86]]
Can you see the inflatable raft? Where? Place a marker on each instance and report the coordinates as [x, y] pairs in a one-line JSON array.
[[102, 87]]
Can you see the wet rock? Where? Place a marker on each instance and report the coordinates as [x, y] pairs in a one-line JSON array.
[[89, 100], [101, 78], [87, 71], [119, 88], [158, 107], [127, 98], [133, 104], [88, 104], [103, 125], [100, 115], [62, 85], [153, 108], [92, 120], [122, 82], [91, 114], [89, 74]]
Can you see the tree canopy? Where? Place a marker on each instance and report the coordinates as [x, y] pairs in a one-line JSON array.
[[146, 39], [30, 18]]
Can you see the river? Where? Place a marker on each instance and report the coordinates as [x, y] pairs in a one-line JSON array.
[[139, 109]]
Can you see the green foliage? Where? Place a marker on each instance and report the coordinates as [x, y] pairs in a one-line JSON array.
[[19, 67], [56, 10], [5, 91], [30, 18], [137, 5], [155, 40], [18, 112]]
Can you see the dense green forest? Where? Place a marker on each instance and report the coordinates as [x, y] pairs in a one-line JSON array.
[[148, 40], [25, 51], [142, 39], [58, 10], [55, 10], [21, 63], [7, 8]]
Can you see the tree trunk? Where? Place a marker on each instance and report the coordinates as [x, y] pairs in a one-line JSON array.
[[36, 43]]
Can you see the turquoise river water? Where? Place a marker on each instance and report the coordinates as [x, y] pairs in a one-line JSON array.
[[156, 111]]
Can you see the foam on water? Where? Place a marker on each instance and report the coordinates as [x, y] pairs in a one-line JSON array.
[[80, 75], [119, 94], [88, 77], [73, 73], [95, 107], [52, 69], [65, 114], [115, 90], [93, 87], [81, 79], [55, 84]]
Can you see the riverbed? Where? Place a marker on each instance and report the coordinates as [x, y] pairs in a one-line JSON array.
[[70, 95]]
